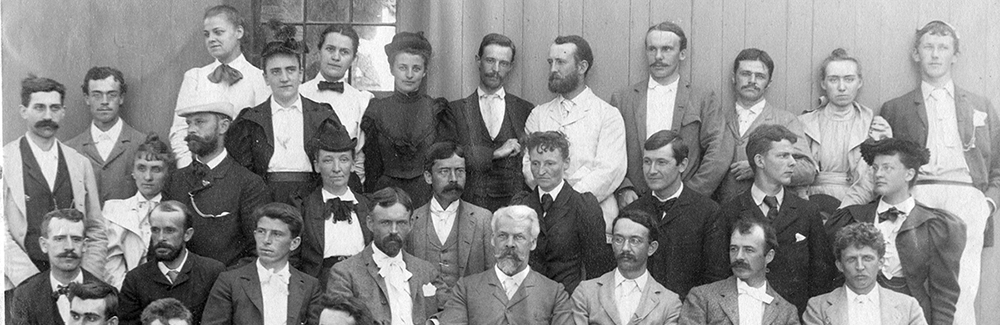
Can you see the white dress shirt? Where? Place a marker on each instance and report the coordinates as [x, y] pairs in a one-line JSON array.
[[748, 114], [492, 107], [890, 229], [751, 302], [48, 161], [397, 283], [511, 283], [217, 160], [342, 238], [628, 293], [289, 142], [863, 309], [274, 290], [660, 101], [947, 160], [350, 107], [196, 89], [63, 301], [104, 141], [758, 198], [554, 193], [164, 269], [443, 218]]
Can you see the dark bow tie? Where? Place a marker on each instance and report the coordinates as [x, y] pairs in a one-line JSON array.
[[225, 73], [199, 169], [892, 214], [337, 86], [341, 210], [664, 206], [60, 290]]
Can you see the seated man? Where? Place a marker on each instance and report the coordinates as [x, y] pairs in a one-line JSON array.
[[511, 292], [923, 245], [745, 297], [339, 310], [93, 303], [628, 294], [166, 311], [860, 252]]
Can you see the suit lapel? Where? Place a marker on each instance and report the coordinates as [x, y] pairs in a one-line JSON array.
[[261, 115], [497, 287], [730, 301], [649, 300], [771, 309], [316, 218], [749, 209], [732, 120], [606, 296], [680, 102], [837, 311], [787, 212], [642, 90], [916, 218], [361, 209], [31, 167], [124, 138], [416, 292], [251, 286], [682, 200], [891, 308], [90, 148], [963, 115], [919, 107], [466, 231], [373, 271], [296, 291], [522, 290], [560, 206], [765, 117]]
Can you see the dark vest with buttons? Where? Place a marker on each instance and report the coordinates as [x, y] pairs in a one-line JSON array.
[[445, 256], [39, 199]]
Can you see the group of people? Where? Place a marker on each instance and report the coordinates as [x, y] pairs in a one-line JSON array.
[[274, 201]]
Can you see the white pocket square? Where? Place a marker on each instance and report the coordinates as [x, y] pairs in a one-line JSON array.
[[799, 237], [978, 118], [429, 290]]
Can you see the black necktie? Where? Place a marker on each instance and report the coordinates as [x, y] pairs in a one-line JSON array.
[[772, 204], [60, 290], [664, 206], [225, 73], [341, 209], [335, 86], [890, 215], [546, 203], [199, 169]]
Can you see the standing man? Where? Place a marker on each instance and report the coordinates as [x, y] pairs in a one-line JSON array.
[[447, 231], [222, 193], [94, 303], [43, 175], [684, 218], [664, 102], [923, 245], [594, 127], [110, 142], [268, 291], [962, 131], [746, 297], [176, 272], [753, 71], [397, 287], [270, 139], [628, 295], [511, 292], [803, 263], [488, 124], [338, 48]]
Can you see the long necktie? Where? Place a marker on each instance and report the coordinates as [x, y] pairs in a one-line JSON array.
[[772, 204], [337, 86], [489, 115], [509, 287], [546, 203], [225, 73]]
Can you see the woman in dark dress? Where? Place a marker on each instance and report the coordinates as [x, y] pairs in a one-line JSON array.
[[401, 127]]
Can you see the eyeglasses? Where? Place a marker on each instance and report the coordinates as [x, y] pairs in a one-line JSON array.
[[198, 211], [633, 241]]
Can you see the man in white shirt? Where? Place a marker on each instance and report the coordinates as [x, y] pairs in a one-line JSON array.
[[745, 298], [860, 250], [109, 143], [594, 128], [94, 303], [268, 291], [338, 48]]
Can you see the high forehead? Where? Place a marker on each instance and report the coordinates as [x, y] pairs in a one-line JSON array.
[[85, 306], [395, 212], [282, 61], [45, 98], [627, 228], [779, 147], [269, 223], [506, 224], [498, 51], [841, 68], [338, 40], [104, 84], [562, 51], [450, 162], [162, 218], [63, 227], [753, 238], [936, 39], [220, 20], [661, 38]]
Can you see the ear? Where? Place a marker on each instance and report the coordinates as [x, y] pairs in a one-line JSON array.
[[44, 244], [24, 112], [840, 266], [769, 257], [295, 243], [683, 55], [428, 178], [113, 320], [583, 66], [653, 245], [188, 234], [910, 174], [478, 58], [224, 125], [239, 32], [758, 160], [915, 55], [534, 243], [683, 165], [861, 82]]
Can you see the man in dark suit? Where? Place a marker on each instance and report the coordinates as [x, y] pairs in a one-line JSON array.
[[270, 290], [42, 298], [222, 193], [270, 139], [803, 263], [396, 287], [93, 303], [511, 292], [664, 102], [753, 71], [923, 245], [684, 218], [334, 215], [109, 142], [571, 245], [447, 231], [488, 125], [748, 292], [175, 273], [962, 131]]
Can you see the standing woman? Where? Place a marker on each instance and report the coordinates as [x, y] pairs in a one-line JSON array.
[[231, 78], [401, 127]]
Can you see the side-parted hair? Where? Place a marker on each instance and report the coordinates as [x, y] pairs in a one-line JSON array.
[[939, 28], [762, 139], [745, 225], [858, 235], [231, 14], [754, 54], [349, 305], [642, 218], [283, 212], [341, 29], [545, 141], [839, 54], [71, 215], [518, 213], [176, 206], [441, 151], [583, 51], [672, 28], [96, 290], [389, 196], [101, 73], [164, 310], [500, 40], [33, 84], [662, 138], [154, 149]]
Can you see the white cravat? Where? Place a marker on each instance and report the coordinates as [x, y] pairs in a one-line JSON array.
[[48, 161], [566, 106], [748, 114], [397, 282], [751, 302], [289, 141], [104, 141], [63, 301], [863, 309], [443, 218], [628, 293], [492, 107], [511, 283], [660, 101], [274, 290]]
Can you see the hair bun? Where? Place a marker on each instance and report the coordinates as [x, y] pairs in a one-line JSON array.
[[839, 53]]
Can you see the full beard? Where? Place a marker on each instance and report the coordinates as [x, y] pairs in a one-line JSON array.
[[563, 85]]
